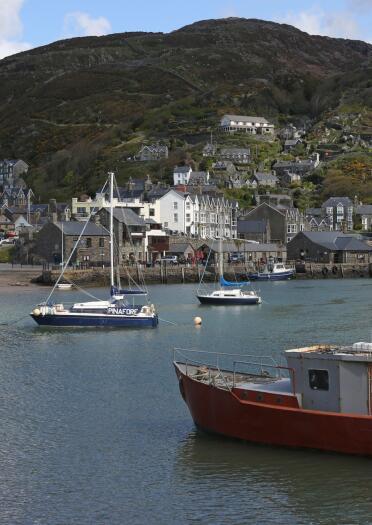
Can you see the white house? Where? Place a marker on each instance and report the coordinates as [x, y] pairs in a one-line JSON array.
[[176, 211], [181, 175], [246, 124]]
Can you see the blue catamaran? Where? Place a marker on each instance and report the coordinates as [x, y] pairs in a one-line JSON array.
[[117, 311]]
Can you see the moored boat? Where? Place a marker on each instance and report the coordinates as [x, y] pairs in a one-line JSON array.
[[322, 399], [120, 310], [273, 272]]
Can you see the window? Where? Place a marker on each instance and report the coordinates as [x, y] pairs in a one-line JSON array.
[[175, 205], [329, 210], [187, 205], [152, 212], [101, 242], [291, 228], [165, 225], [89, 242], [318, 379], [175, 217], [188, 217]]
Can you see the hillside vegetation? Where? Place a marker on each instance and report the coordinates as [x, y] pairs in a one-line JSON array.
[[75, 108]]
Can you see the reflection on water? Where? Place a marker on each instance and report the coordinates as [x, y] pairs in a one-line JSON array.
[[291, 486], [94, 430]]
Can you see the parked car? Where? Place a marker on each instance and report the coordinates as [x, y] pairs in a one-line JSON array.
[[236, 257], [7, 241], [169, 259]]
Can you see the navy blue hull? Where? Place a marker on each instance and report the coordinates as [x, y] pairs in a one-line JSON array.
[[224, 302], [271, 276], [118, 321]]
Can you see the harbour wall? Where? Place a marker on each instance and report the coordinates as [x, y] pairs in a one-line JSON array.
[[193, 274]]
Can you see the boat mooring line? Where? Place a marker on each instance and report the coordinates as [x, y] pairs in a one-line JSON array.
[[165, 321], [15, 321]]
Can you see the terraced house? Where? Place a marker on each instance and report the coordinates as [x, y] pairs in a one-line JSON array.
[[201, 215]]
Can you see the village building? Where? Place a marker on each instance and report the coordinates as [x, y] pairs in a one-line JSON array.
[[265, 179], [340, 210], [301, 167], [317, 221], [251, 230], [238, 155], [153, 152], [329, 247], [181, 175], [246, 124], [92, 248], [284, 223], [365, 214], [129, 233], [290, 144], [11, 170]]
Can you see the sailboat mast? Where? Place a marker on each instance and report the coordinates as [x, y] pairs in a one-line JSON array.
[[220, 263], [62, 249], [112, 227]]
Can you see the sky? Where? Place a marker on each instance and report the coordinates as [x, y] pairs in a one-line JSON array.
[[25, 24]]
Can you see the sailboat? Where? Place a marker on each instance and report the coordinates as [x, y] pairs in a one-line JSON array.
[[114, 312], [228, 292]]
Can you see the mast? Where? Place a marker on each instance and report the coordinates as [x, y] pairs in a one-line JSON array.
[[220, 262], [62, 250], [112, 228]]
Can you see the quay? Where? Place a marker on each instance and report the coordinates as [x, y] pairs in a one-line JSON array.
[[166, 274]]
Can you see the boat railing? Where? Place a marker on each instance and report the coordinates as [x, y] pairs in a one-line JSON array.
[[216, 361]]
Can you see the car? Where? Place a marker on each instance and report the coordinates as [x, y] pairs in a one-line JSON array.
[[236, 257], [170, 259], [7, 241]]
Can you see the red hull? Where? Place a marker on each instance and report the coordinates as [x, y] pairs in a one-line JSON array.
[[222, 412]]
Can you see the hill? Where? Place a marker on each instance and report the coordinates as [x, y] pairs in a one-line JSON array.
[[78, 107]]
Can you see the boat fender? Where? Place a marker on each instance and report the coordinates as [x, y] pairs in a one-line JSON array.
[[36, 312], [324, 271], [182, 388], [334, 270]]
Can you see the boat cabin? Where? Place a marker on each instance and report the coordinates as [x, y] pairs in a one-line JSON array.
[[333, 378]]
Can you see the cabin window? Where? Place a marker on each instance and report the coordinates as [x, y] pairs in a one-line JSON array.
[[318, 379]]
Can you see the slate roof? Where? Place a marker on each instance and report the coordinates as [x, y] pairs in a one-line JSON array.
[[336, 241], [179, 247], [128, 217], [181, 169], [364, 209], [244, 118], [235, 151], [265, 177], [75, 228], [334, 201]]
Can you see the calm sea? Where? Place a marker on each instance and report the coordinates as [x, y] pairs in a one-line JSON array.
[[94, 430]]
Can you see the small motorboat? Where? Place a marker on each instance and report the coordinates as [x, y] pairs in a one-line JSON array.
[[322, 399], [64, 286], [273, 272]]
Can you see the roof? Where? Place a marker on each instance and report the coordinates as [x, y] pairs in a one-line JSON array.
[[334, 201], [127, 217], [263, 177], [181, 169], [364, 209], [245, 226], [292, 142], [244, 118], [337, 241], [235, 151], [241, 246], [179, 247], [75, 228]]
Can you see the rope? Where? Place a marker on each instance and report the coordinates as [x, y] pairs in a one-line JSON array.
[[165, 321], [205, 267], [15, 321]]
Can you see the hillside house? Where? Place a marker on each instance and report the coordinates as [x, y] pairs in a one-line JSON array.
[[340, 210], [153, 152], [246, 124], [181, 175], [290, 144], [365, 214], [265, 179], [317, 220], [237, 155], [301, 167], [11, 170]]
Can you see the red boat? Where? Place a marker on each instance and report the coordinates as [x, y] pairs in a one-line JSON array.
[[322, 399]]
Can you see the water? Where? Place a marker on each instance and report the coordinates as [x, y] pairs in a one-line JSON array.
[[94, 430]]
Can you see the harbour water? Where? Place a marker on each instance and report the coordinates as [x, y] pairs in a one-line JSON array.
[[94, 430]]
